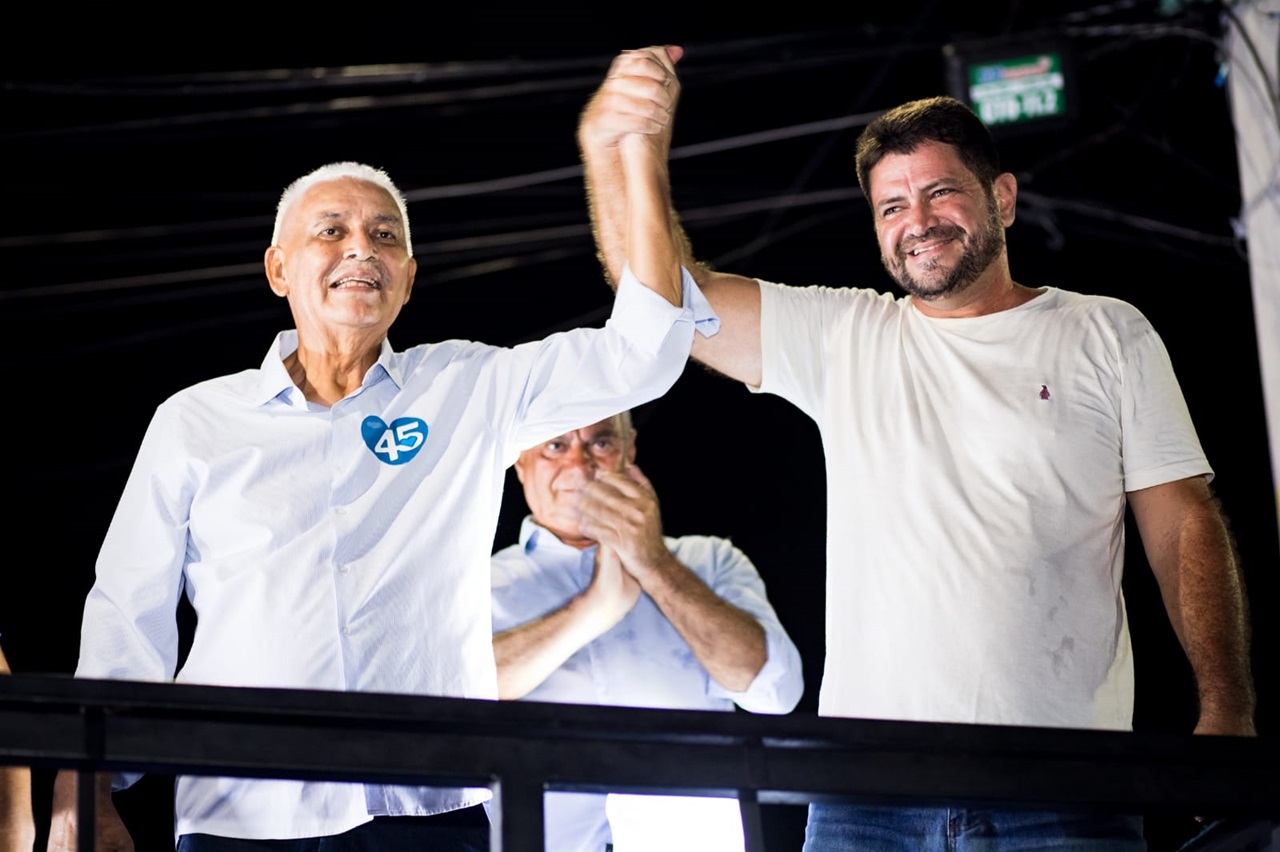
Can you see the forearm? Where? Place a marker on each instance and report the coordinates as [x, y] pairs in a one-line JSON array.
[[735, 350], [728, 642], [111, 834], [528, 654], [607, 204], [1195, 563], [1209, 615], [651, 245], [624, 137], [17, 830]]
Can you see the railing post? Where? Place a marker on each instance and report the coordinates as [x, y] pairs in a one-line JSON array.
[[516, 816], [748, 797], [752, 825], [87, 781], [86, 802]]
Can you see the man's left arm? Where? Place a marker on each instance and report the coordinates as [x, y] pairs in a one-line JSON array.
[[620, 510], [589, 374], [1190, 549], [730, 575], [728, 642]]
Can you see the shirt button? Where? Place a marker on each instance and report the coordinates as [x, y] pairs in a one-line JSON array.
[[344, 568], [346, 631], [340, 510]]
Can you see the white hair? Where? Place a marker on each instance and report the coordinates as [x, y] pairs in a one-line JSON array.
[[338, 171]]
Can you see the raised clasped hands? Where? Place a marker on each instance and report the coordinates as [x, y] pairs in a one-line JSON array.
[[612, 592], [636, 102], [620, 511]]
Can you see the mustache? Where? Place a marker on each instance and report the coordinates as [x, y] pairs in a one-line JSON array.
[[937, 232]]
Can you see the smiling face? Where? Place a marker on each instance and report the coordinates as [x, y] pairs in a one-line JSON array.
[[342, 261], [554, 472], [939, 228]]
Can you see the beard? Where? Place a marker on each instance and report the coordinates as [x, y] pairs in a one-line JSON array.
[[980, 250]]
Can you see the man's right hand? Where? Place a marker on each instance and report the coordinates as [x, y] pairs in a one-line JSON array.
[[111, 835], [612, 592], [527, 655]]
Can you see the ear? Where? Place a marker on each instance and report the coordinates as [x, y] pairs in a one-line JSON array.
[[274, 263], [519, 467], [631, 448], [413, 272], [1006, 190]]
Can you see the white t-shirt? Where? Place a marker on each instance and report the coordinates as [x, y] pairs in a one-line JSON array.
[[976, 479]]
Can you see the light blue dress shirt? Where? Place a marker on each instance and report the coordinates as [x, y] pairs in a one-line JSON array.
[[347, 548], [642, 661]]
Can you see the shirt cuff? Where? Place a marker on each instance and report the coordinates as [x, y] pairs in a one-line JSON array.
[[777, 687], [644, 317], [124, 780], [705, 320]]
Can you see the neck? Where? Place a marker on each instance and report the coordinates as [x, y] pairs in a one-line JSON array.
[[327, 374], [993, 291], [579, 542], [572, 539]]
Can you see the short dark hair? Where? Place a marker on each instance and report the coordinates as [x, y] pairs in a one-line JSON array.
[[942, 119]]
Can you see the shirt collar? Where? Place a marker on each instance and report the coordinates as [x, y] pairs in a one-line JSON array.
[[533, 537], [274, 380], [388, 364]]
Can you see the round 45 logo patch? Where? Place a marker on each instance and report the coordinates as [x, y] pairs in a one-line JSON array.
[[397, 443]]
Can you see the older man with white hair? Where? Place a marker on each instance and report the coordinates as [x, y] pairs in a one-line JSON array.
[[595, 605], [330, 514]]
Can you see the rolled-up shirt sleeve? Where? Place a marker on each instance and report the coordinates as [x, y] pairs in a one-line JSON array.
[[779, 685], [578, 377], [646, 319]]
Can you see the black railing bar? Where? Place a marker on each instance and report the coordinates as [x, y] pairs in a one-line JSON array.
[[302, 708], [917, 755], [186, 747]]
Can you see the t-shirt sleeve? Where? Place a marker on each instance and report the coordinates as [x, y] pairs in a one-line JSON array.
[[1159, 440], [792, 340]]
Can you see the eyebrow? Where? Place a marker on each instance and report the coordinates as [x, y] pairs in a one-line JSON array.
[[332, 215], [929, 187]]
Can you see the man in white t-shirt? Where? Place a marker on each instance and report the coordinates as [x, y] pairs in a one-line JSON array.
[[983, 439]]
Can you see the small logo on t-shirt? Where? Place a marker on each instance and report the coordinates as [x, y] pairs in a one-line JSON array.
[[1044, 391], [397, 443]]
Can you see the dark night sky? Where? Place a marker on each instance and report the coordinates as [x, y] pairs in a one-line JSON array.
[[145, 166]]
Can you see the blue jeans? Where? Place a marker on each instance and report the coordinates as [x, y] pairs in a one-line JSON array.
[[859, 828], [465, 830]]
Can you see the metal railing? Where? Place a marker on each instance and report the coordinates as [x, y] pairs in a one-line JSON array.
[[520, 749]]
